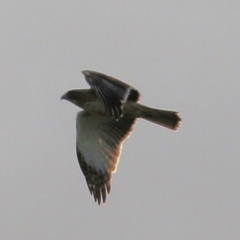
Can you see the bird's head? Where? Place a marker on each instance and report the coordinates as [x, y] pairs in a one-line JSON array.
[[77, 96], [71, 95]]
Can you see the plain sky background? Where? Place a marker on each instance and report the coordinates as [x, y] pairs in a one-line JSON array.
[[180, 55]]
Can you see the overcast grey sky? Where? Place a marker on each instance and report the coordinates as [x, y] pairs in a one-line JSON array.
[[180, 55]]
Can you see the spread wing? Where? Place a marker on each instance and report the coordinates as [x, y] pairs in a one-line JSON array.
[[112, 92], [99, 140]]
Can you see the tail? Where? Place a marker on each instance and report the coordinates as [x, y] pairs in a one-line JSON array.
[[168, 119]]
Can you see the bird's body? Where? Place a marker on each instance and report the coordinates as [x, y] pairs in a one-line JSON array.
[[110, 110]]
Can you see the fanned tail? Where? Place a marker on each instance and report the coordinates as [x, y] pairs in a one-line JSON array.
[[165, 118]]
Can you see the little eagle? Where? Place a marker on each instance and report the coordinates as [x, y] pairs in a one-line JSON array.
[[110, 109]]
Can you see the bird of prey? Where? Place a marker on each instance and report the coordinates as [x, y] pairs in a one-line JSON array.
[[110, 109]]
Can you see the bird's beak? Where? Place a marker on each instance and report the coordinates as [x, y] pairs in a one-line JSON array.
[[86, 73], [64, 96]]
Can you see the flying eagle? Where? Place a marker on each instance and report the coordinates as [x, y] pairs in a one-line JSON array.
[[110, 109]]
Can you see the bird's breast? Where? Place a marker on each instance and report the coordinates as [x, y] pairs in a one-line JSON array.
[[94, 107]]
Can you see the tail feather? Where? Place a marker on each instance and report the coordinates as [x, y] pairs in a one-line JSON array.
[[165, 118]]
